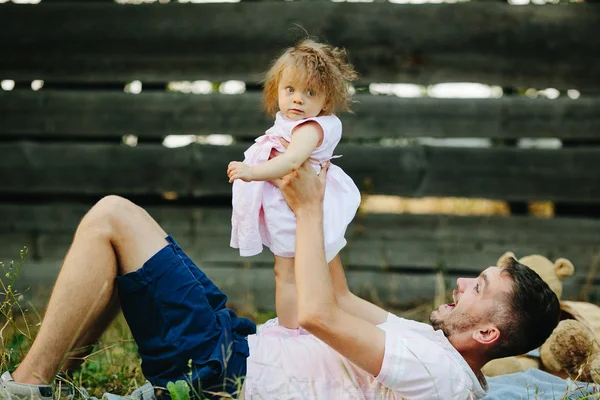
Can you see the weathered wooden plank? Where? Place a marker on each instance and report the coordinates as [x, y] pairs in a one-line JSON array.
[[63, 218], [466, 255], [84, 114], [199, 170], [254, 289], [93, 169], [527, 46], [376, 242], [12, 245]]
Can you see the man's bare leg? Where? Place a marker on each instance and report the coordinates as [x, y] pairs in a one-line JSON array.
[[286, 301], [85, 343], [114, 238]]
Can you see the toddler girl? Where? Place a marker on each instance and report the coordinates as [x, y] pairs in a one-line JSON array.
[[303, 88]]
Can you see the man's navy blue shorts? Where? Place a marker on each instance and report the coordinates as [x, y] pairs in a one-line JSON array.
[[180, 323]]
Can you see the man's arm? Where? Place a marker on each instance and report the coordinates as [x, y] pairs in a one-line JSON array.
[[319, 311], [350, 302]]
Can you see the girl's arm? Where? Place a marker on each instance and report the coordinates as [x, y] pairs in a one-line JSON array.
[[305, 139]]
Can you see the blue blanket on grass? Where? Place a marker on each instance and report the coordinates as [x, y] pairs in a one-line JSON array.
[[535, 384], [532, 384]]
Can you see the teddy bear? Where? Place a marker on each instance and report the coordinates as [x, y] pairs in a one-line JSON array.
[[573, 348], [552, 274]]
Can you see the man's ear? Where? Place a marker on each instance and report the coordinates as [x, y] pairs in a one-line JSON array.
[[487, 334]]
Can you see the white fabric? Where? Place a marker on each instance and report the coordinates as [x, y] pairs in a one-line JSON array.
[[260, 214], [419, 363]]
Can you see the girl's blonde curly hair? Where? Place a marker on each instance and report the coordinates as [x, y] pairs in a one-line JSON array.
[[324, 68]]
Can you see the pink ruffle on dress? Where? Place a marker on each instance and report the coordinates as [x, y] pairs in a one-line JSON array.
[[262, 217]]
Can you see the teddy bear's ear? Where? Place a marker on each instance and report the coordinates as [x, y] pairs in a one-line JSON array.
[[563, 268], [504, 258]]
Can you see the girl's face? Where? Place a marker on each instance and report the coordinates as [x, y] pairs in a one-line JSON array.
[[297, 100]]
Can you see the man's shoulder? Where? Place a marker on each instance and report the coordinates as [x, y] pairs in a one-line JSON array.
[[416, 353], [432, 349]]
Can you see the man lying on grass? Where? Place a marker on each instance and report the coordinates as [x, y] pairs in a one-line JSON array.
[[345, 347]]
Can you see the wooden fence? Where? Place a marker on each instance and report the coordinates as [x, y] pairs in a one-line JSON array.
[[61, 147]]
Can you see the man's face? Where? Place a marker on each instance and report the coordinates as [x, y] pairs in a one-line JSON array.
[[475, 300]]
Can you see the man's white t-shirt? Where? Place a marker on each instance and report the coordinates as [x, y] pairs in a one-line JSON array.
[[419, 363]]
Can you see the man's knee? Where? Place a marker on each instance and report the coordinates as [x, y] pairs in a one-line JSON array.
[[107, 213], [113, 204]]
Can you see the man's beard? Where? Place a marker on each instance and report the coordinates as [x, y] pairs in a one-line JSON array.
[[454, 322]]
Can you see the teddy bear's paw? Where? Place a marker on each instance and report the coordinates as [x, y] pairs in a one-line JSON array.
[[571, 346], [594, 367]]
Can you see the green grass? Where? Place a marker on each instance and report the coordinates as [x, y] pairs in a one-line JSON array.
[[113, 366]]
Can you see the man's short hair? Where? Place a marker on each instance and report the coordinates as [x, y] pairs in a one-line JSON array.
[[529, 313]]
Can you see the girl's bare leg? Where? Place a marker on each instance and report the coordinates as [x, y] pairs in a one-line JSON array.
[[286, 302]]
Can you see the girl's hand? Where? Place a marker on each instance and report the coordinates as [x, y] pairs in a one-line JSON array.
[[239, 170]]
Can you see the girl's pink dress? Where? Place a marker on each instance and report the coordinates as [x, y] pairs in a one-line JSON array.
[[262, 217]]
